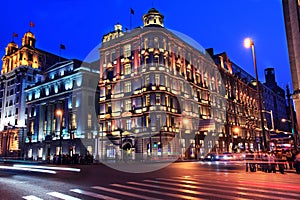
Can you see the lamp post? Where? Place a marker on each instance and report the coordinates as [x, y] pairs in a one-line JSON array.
[[272, 119], [59, 113], [249, 43]]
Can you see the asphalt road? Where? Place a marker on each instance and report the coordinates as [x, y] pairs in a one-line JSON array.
[[181, 180]]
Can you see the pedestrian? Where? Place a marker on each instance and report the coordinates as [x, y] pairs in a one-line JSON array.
[[264, 165], [272, 164], [289, 158], [297, 163], [281, 162]]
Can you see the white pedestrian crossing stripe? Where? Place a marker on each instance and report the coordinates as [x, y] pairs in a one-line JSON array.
[[62, 196], [93, 194], [31, 197], [182, 187]]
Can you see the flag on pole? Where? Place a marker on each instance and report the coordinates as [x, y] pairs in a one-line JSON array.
[[62, 46], [31, 24], [131, 11], [15, 34]]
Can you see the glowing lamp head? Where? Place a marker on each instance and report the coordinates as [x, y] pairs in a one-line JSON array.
[[283, 120], [59, 112], [248, 42], [236, 130]]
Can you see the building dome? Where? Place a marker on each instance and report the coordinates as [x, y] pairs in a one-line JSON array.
[[28, 39], [11, 48], [29, 34], [153, 18]]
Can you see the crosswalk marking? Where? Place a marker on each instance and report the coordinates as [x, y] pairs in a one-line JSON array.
[[180, 190], [156, 192], [243, 183], [231, 186], [93, 194], [223, 186], [62, 196], [122, 192], [31, 197]]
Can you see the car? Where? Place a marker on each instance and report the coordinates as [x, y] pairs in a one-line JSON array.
[[211, 157]]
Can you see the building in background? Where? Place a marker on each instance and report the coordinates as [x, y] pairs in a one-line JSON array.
[[22, 66], [61, 111], [291, 9], [275, 103], [242, 116]]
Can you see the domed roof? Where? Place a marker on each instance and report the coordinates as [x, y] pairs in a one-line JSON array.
[[153, 18], [12, 44], [153, 10], [29, 34]]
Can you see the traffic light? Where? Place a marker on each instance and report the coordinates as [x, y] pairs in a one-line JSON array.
[[154, 145]]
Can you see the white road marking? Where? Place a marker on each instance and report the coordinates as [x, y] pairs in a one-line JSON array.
[[155, 192], [182, 190], [31, 197], [62, 196], [92, 194], [121, 192]]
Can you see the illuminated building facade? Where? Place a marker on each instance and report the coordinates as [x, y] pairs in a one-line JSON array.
[[160, 95], [243, 121], [291, 9], [61, 111], [21, 67], [242, 116]]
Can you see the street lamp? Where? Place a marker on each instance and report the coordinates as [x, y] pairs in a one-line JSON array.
[[248, 43], [59, 113], [292, 129]]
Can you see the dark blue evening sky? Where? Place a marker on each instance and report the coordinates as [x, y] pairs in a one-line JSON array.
[[221, 24]]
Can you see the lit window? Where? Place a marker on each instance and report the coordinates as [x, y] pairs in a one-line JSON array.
[[157, 79], [127, 86], [127, 69], [157, 99], [32, 127], [128, 124], [167, 100], [147, 100], [127, 50], [45, 127], [73, 121], [147, 121], [127, 104], [89, 122]]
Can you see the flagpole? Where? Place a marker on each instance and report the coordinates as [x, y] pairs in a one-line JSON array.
[[130, 20], [59, 53], [131, 13]]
